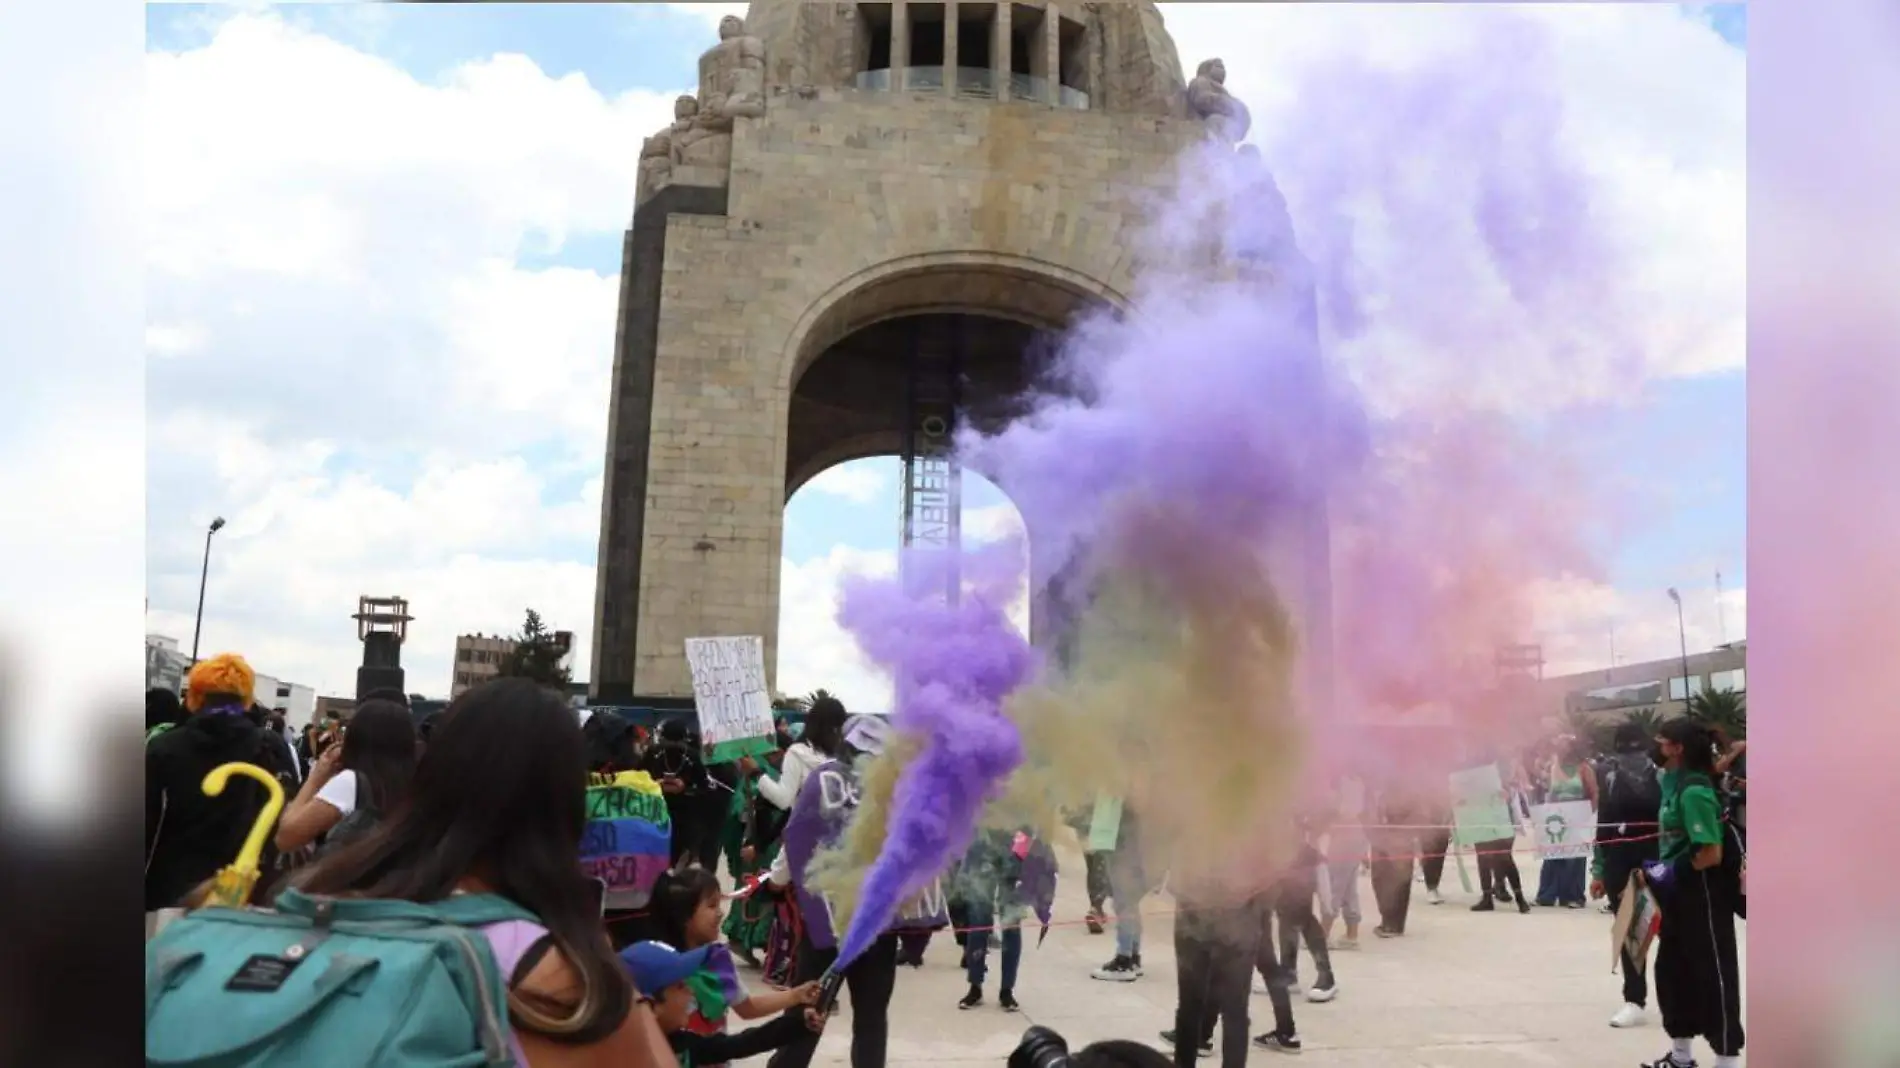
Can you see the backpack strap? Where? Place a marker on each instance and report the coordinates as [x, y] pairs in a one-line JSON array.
[[461, 910]]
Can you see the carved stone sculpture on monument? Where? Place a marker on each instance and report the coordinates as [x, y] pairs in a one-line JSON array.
[[1228, 120], [656, 165], [732, 76], [697, 139]]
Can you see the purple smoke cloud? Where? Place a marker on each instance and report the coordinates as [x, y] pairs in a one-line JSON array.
[[954, 665]]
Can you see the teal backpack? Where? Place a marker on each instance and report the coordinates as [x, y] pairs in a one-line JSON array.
[[324, 983]]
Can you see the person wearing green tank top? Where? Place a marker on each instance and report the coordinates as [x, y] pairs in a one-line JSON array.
[[1568, 777]]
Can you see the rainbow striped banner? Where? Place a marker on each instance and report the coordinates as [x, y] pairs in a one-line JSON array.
[[629, 837]]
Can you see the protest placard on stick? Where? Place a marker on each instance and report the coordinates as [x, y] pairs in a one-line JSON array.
[[729, 692], [1478, 809], [1563, 830]]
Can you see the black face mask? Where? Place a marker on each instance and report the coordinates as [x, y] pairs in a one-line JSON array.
[[1656, 755]]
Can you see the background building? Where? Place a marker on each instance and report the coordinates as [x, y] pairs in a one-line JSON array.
[[166, 666], [1661, 685], [478, 658]]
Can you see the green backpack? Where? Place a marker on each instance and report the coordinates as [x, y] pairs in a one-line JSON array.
[[321, 983]]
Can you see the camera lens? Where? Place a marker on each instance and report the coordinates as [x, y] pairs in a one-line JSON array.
[[1040, 1048]]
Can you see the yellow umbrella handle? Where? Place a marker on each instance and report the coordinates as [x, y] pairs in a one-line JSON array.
[[253, 851]]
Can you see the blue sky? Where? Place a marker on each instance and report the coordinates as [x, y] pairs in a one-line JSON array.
[[391, 455]]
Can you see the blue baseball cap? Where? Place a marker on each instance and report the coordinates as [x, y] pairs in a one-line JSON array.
[[656, 965]]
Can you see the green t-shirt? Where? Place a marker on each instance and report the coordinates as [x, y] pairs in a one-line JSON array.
[[1691, 814]]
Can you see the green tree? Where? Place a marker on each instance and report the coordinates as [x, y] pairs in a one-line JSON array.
[[1646, 720], [537, 655], [1727, 709]]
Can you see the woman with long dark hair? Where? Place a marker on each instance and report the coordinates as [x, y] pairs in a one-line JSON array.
[[497, 807], [1698, 981], [354, 785]]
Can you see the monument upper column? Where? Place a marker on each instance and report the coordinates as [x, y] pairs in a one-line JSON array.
[[1114, 57]]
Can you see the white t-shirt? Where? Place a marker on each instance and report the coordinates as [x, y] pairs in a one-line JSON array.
[[340, 792]]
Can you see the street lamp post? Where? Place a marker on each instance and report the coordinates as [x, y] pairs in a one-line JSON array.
[[203, 575], [1682, 635]]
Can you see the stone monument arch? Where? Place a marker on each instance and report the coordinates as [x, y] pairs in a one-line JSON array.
[[853, 185]]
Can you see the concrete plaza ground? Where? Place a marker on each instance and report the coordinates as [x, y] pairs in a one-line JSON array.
[[1459, 990]]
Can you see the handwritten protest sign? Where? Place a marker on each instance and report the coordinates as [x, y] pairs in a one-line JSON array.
[[1563, 829], [735, 711], [1478, 810]]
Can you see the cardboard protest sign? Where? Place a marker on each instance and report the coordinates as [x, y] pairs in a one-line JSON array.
[[1563, 830], [729, 692], [1478, 809], [1638, 920]]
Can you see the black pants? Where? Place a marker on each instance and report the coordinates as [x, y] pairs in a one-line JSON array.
[[1432, 847], [870, 979], [1698, 982], [1392, 878], [1618, 862], [1097, 864], [1293, 908], [1497, 869], [1214, 951]]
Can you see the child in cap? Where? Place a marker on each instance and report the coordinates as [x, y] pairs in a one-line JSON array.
[[660, 972]]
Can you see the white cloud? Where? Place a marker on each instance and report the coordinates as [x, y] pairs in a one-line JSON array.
[[859, 483], [366, 375], [814, 651], [362, 375], [1581, 624]]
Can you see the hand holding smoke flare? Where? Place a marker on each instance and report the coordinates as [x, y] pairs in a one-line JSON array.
[[956, 664]]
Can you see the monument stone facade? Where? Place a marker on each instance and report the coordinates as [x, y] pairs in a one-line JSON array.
[[843, 165]]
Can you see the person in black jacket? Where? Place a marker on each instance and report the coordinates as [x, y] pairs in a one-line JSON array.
[[188, 836], [697, 799], [660, 973]]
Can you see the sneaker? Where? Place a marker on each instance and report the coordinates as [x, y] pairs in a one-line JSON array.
[[1487, 905], [1343, 942], [1277, 1042], [1119, 970], [972, 999], [1007, 1002], [1323, 990], [1386, 932], [1523, 905], [1097, 923], [1668, 1060], [1206, 1050], [1504, 896], [1573, 904], [1433, 897], [1629, 1016]]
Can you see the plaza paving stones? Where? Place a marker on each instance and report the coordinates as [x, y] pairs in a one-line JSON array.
[[1459, 990]]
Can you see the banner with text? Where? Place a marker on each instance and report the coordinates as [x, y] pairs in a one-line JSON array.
[[729, 692], [1564, 829], [1478, 809]]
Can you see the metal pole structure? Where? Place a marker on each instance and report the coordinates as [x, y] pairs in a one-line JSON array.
[[203, 575], [1682, 635]]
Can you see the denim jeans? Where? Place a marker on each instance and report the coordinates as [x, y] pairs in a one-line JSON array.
[[982, 916], [1129, 885], [1562, 881]]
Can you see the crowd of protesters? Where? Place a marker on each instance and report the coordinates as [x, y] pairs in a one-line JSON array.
[[485, 802]]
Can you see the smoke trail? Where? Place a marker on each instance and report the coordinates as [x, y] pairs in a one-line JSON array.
[[955, 665], [1283, 453]]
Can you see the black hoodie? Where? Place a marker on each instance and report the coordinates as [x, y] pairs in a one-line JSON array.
[[188, 836]]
